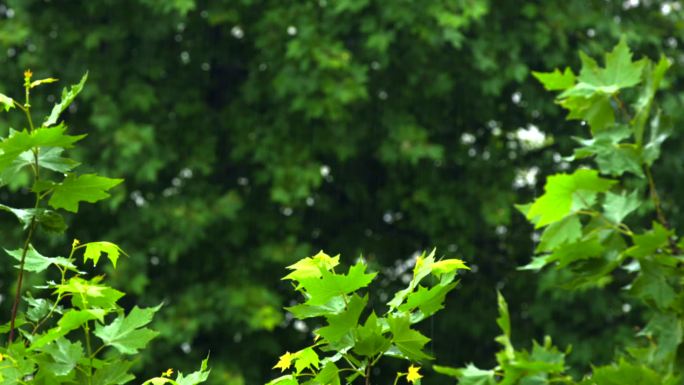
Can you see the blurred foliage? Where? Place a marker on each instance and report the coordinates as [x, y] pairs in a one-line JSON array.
[[253, 133]]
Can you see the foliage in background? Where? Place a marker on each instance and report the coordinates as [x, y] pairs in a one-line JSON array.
[[74, 331], [253, 133]]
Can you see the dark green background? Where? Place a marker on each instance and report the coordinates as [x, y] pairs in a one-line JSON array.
[[254, 133]]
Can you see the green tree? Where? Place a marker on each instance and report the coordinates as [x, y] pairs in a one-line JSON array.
[[252, 133]]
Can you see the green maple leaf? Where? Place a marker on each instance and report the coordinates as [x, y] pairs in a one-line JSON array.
[[128, 334], [311, 267], [95, 249], [306, 358], [666, 329], [329, 285], [195, 377], [571, 252], [565, 192], [409, 342], [48, 158], [113, 373], [624, 373], [617, 207], [567, 230], [83, 188], [71, 320], [303, 311], [36, 262], [6, 102], [652, 285], [19, 142], [649, 242], [68, 96], [423, 267], [504, 319], [370, 340], [653, 74], [340, 326], [329, 375], [470, 375], [556, 80], [620, 71], [50, 220], [428, 300], [589, 98], [89, 293], [612, 157], [65, 356]]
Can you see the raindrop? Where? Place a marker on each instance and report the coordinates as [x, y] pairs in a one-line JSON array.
[[310, 201], [626, 308], [53, 34], [186, 348], [406, 278], [516, 97], [242, 181], [185, 57], [186, 173], [287, 211], [154, 261], [292, 30], [472, 152], [382, 95], [387, 217], [325, 170], [375, 66], [300, 326], [11, 52], [178, 38], [9, 13], [237, 32], [205, 66], [467, 138], [671, 42], [665, 9], [204, 14], [535, 236], [628, 4], [591, 32], [176, 182], [137, 198], [263, 67]]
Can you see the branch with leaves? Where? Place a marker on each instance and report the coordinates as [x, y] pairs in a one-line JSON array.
[[76, 333]]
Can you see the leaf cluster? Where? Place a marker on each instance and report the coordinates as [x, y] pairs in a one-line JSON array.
[[75, 331], [355, 337]]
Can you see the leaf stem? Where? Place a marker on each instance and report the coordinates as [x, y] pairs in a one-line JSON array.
[[32, 225], [89, 349], [659, 209]]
